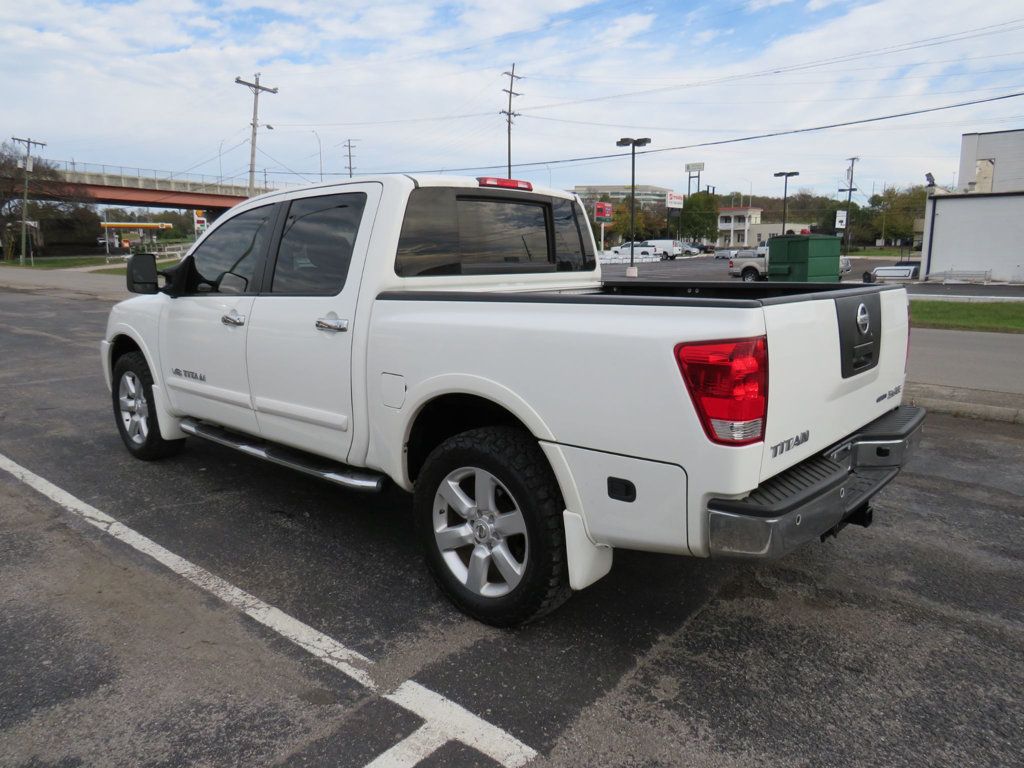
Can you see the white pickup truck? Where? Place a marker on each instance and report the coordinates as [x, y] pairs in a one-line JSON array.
[[455, 337]]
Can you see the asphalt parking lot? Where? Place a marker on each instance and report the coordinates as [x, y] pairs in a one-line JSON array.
[[895, 645]]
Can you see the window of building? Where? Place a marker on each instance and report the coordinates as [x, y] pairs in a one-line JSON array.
[[740, 236], [725, 219], [740, 219], [316, 245], [227, 260]]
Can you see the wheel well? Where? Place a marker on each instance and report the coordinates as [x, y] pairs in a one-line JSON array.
[[122, 346], [447, 416]]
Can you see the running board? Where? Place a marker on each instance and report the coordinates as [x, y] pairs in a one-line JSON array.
[[325, 469]]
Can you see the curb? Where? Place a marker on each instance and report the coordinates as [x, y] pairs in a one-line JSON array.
[[932, 398]]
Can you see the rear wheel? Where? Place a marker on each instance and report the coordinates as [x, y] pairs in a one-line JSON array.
[[132, 395], [489, 516], [750, 275]]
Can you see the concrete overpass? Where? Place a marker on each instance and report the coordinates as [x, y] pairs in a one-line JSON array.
[[119, 185]]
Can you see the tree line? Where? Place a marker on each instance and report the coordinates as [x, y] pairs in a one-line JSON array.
[[886, 216]]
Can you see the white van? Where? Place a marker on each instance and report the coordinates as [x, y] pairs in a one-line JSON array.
[[667, 249]]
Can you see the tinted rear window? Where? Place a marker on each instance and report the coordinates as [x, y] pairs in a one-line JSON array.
[[449, 232]]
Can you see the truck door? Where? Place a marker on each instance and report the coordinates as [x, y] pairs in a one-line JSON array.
[[300, 339], [203, 332]]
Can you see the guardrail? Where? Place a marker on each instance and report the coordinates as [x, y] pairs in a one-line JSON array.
[[964, 276], [150, 178]]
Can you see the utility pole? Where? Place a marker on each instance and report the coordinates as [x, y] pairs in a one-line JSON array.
[[849, 189], [348, 147], [509, 114], [255, 88], [24, 201]]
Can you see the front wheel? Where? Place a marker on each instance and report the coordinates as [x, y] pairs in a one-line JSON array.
[[489, 517], [134, 412]]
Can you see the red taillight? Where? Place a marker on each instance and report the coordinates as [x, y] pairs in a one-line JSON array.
[[728, 382], [730, 263], [493, 181]]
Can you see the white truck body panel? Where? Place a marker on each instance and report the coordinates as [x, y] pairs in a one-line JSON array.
[[596, 383]]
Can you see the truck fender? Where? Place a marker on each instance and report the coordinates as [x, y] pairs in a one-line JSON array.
[[587, 561], [169, 423]]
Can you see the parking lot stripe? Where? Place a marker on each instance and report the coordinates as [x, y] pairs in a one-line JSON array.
[[445, 720], [462, 725]]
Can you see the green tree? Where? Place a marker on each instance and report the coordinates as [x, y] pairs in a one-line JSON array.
[[699, 217], [44, 181]]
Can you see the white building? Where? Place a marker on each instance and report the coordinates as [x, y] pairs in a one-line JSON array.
[[991, 162], [646, 194], [734, 223], [976, 233]]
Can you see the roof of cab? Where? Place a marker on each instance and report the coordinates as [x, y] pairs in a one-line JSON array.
[[420, 180]]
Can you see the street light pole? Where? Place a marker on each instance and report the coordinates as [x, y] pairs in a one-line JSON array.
[[785, 194], [849, 189], [633, 144]]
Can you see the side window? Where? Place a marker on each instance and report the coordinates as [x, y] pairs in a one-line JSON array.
[[568, 239], [316, 244], [226, 262]]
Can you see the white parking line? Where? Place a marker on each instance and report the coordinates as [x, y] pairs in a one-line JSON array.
[[445, 720]]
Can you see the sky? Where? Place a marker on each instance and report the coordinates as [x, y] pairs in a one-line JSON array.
[[418, 86]]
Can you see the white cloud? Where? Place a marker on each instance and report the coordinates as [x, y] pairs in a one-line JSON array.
[[759, 5], [150, 84]]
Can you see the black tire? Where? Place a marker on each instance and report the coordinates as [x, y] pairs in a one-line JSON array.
[[149, 445], [750, 275], [512, 457]]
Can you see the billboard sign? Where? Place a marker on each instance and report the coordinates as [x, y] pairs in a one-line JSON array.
[[694, 167], [674, 200], [840, 219], [602, 211]]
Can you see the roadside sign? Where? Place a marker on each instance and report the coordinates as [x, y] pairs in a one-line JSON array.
[[602, 211], [840, 219], [674, 200], [694, 167]]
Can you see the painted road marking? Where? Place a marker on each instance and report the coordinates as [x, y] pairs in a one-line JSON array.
[[444, 719]]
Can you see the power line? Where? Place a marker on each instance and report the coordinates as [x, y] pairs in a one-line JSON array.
[[753, 137], [968, 34]]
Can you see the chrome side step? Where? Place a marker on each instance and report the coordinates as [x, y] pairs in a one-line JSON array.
[[325, 469]]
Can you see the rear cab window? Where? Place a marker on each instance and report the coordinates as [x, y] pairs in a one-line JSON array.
[[449, 231]]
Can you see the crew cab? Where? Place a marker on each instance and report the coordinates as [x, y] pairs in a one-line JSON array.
[[455, 337]]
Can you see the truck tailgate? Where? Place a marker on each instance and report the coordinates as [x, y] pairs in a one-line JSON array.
[[834, 364]]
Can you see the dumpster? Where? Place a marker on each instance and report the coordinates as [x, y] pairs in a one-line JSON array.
[[804, 258]]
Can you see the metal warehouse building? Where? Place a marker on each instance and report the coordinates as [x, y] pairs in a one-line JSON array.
[[977, 232]]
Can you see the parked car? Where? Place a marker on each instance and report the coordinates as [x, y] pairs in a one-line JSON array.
[[706, 247], [455, 337], [691, 249], [639, 249], [845, 265]]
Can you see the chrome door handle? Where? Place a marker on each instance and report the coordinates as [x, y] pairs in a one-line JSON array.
[[232, 318], [331, 324]]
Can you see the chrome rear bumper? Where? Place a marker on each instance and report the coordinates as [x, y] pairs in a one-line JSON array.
[[817, 496]]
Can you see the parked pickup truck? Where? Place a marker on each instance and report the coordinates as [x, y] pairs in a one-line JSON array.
[[751, 264], [455, 337]]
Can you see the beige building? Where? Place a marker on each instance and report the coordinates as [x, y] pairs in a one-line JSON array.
[[734, 224], [646, 194]]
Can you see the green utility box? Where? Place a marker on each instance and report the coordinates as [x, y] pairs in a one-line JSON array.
[[804, 258]]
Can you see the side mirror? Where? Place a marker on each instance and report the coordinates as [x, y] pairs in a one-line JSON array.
[[142, 276]]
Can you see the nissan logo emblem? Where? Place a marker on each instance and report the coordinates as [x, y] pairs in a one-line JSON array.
[[863, 320]]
